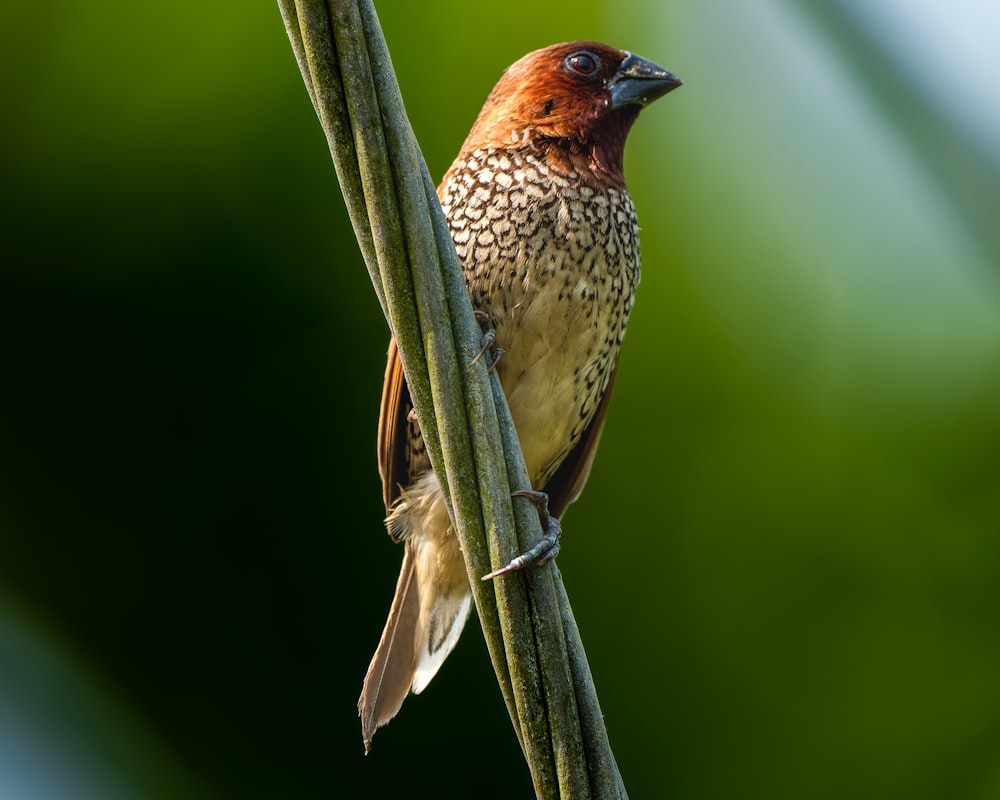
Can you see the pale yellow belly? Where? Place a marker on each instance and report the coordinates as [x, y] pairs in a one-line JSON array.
[[550, 348]]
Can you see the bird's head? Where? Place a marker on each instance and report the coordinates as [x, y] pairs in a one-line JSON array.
[[578, 98]]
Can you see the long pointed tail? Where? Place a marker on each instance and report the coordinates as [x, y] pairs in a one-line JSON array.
[[427, 615], [391, 671]]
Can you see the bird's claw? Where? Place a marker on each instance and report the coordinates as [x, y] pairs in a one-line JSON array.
[[547, 547], [489, 337]]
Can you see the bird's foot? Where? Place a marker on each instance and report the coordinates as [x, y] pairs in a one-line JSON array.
[[489, 337], [547, 547]]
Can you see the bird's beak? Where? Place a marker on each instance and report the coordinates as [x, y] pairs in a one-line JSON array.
[[640, 82]]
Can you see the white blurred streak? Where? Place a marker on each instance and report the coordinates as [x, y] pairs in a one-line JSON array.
[[826, 247], [42, 756], [952, 51], [63, 736]]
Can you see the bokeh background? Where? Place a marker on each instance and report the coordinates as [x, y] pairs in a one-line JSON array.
[[786, 566]]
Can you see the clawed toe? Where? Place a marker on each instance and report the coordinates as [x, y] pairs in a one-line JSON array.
[[547, 547], [489, 337]]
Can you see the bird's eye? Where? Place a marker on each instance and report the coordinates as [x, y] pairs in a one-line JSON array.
[[583, 63]]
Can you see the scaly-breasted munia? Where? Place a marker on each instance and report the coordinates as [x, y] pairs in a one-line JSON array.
[[547, 236]]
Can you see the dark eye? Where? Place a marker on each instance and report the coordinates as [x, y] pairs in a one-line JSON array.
[[583, 63]]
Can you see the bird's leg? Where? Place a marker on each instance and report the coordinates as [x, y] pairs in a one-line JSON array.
[[547, 547], [489, 337]]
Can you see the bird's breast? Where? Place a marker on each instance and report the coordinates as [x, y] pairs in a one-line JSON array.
[[554, 261]]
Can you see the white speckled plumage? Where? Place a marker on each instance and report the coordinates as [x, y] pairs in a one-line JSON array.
[[554, 262]]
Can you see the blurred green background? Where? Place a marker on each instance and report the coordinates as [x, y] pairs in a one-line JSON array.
[[786, 566]]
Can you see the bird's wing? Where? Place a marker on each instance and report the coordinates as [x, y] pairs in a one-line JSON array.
[[567, 482], [394, 429]]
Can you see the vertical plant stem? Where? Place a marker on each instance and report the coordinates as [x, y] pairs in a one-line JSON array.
[[404, 239]]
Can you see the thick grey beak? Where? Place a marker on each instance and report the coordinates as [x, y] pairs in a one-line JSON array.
[[640, 82]]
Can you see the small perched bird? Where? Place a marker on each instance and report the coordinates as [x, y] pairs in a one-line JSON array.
[[547, 237]]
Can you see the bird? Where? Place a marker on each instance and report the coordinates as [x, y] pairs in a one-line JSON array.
[[546, 233]]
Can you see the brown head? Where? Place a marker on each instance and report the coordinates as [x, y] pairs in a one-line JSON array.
[[575, 101]]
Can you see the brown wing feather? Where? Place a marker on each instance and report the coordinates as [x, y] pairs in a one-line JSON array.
[[391, 671], [567, 482], [393, 429]]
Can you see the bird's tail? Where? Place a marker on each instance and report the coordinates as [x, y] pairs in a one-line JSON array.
[[428, 613]]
